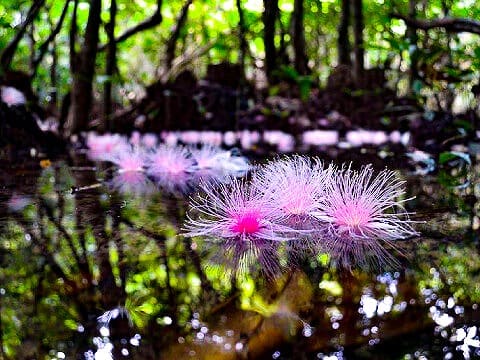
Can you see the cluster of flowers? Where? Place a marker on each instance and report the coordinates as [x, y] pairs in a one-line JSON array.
[[144, 165], [285, 142], [297, 205]]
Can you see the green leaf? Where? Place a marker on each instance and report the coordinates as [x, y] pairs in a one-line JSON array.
[[448, 156], [417, 86]]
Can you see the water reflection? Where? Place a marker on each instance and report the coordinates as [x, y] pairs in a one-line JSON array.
[[99, 273]]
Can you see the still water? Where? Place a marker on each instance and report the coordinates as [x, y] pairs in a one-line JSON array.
[[91, 269]]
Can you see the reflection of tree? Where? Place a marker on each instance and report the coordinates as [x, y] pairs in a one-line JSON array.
[[72, 259], [88, 261]]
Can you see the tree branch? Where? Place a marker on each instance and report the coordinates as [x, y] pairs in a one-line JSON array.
[[448, 23], [42, 50], [172, 41], [9, 51], [82, 262], [151, 22]]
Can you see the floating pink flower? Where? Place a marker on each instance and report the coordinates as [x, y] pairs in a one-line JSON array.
[[149, 140], [132, 182], [135, 138], [221, 163], [131, 176], [230, 138], [235, 211], [207, 157], [105, 147], [294, 185], [208, 163], [320, 137], [130, 160], [211, 137], [171, 166], [362, 213]]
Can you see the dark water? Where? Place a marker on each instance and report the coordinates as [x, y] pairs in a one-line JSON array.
[[97, 274]]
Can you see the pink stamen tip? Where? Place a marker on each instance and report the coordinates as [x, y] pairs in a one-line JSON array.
[[246, 224], [353, 215]]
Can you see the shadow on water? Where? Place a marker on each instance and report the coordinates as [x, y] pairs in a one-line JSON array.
[[89, 272]]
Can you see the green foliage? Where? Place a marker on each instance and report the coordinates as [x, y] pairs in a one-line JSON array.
[[215, 23]]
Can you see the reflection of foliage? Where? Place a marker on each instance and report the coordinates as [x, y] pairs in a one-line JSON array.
[[456, 272], [56, 284]]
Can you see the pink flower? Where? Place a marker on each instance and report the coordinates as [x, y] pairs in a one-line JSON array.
[[362, 213], [207, 157], [12, 96], [170, 138], [208, 164], [131, 176], [130, 160], [320, 137], [135, 138], [211, 137], [294, 185], [214, 162], [229, 138], [135, 182], [105, 147], [190, 137], [395, 137], [235, 211], [171, 167], [149, 140]]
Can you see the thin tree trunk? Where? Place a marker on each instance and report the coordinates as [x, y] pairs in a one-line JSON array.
[[242, 38], [270, 15], [173, 39], [343, 38], [281, 52], [81, 98], [298, 37], [9, 51], [413, 50], [110, 66], [358, 40]]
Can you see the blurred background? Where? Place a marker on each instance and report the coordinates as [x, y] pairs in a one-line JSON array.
[[93, 266]]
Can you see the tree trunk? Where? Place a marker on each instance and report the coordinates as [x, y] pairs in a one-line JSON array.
[[413, 49], [270, 15], [110, 66], [173, 39], [242, 38], [343, 38], [298, 37], [358, 49], [84, 69]]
